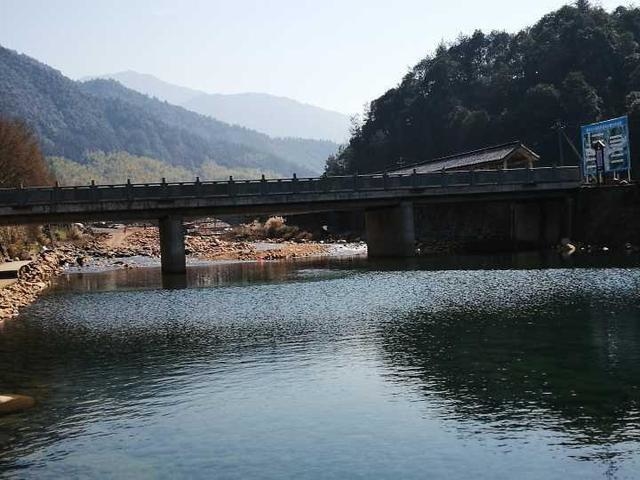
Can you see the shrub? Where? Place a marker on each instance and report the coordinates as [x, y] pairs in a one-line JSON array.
[[274, 228], [75, 233]]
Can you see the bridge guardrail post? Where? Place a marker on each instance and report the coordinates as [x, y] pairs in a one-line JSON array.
[[164, 187], [19, 193], [294, 183], [263, 185], [445, 178], [385, 180], [317, 185], [414, 178], [23, 195], [530, 178], [355, 182], [198, 187], [130, 190], [231, 191], [55, 193]]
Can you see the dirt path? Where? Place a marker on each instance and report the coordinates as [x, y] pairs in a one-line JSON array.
[[116, 236]]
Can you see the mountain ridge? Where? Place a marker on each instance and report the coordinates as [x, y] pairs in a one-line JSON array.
[[74, 118], [274, 115]]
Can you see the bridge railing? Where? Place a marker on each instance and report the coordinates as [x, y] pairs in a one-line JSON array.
[[455, 180]]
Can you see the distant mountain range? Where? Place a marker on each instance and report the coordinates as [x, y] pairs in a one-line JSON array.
[[270, 114], [74, 119]]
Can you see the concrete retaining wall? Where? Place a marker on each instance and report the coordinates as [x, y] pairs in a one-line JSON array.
[[608, 216]]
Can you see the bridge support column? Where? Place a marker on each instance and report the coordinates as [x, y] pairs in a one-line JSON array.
[[567, 218], [542, 224], [390, 231], [527, 225], [172, 253]]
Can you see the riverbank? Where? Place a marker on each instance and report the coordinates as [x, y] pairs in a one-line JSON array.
[[33, 279], [144, 241], [123, 247]]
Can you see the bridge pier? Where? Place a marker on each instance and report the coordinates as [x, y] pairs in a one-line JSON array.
[[568, 208], [391, 231], [527, 224], [172, 251], [542, 224]]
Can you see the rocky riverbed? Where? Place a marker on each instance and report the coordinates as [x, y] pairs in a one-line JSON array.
[[144, 242], [34, 278]]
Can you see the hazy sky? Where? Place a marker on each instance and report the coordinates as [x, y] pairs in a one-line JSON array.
[[338, 54]]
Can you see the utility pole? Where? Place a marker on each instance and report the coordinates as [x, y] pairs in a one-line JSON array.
[[573, 147], [559, 126]]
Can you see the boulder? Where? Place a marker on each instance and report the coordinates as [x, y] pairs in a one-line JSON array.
[[12, 403]]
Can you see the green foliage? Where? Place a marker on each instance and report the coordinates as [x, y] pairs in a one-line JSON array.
[[73, 119], [68, 172], [212, 171], [117, 168], [577, 65]]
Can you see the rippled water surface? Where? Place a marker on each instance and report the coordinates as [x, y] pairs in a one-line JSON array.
[[329, 369]]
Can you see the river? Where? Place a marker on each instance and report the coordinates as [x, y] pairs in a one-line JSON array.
[[485, 367]]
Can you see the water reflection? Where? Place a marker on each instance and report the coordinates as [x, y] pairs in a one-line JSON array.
[[201, 275], [548, 358], [174, 281], [571, 367], [197, 276], [564, 361]]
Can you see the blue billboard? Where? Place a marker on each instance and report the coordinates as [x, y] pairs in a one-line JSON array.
[[615, 136]]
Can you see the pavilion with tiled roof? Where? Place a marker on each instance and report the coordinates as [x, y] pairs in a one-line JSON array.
[[509, 155]]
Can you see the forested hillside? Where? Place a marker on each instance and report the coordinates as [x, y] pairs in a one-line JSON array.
[[72, 120], [575, 66], [306, 154], [118, 167]]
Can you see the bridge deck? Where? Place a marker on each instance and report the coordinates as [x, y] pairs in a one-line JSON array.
[[147, 201]]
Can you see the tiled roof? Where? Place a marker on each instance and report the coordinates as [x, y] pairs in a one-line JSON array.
[[468, 159]]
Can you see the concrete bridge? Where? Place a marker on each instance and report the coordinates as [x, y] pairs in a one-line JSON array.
[[387, 199]]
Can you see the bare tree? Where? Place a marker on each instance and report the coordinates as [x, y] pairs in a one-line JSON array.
[[21, 161]]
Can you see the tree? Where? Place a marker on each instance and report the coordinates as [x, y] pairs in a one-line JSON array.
[[583, 5], [21, 161], [580, 100]]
